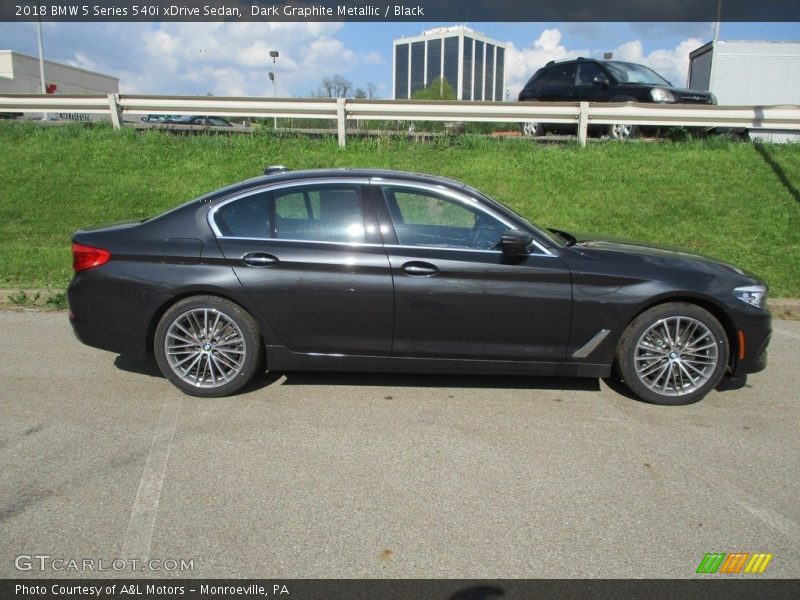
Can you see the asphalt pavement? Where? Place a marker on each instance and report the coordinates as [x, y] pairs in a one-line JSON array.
[[336, 475]]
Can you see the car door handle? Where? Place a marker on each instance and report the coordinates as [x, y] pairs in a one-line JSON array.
[[420, 269], [259, 259]]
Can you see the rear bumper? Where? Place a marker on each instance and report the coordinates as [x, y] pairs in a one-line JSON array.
[[109, 316]]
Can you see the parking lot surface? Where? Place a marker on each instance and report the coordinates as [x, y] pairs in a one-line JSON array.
[[314, 475]]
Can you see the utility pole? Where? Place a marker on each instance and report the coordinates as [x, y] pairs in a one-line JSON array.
[[274, 54]]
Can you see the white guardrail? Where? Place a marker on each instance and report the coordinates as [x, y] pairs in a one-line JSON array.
[[785, 118]]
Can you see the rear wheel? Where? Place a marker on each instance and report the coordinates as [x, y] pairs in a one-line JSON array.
[[208, 346], [673, 354], [620, 131], [533, 129]]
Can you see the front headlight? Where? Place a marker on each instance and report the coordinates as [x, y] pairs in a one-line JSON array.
[[662, 95], [755, 295]]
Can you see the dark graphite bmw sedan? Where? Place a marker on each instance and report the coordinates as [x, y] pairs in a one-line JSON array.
[[363, 270]]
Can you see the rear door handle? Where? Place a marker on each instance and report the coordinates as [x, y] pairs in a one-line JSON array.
[[259, 259], [420, 269]]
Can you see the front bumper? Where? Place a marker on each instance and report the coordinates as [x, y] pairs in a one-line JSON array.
[[753, 333]]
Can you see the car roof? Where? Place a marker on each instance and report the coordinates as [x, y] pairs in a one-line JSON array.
[[290, 176]]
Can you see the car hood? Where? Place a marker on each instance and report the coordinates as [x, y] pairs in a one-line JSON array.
[[682, 95], [667, 256]]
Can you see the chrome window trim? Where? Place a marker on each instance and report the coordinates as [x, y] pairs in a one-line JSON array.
[[462, 199], [459, 197], [270, 188]]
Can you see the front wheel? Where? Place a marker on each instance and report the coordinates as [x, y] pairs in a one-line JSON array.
[[673, 354], [620, 131], [208, 346]]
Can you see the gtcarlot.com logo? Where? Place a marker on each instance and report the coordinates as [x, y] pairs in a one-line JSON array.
[[734, 563]]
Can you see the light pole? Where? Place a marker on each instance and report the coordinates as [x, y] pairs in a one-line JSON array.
[[45, 116], [274, 54]]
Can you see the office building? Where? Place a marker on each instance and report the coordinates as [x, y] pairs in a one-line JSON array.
[[473, 64]]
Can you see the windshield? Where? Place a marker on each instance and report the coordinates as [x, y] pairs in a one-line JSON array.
[[625, 72]]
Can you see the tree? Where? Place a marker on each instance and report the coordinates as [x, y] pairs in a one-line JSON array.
[[360, 94], [336, 86], [439, 89]]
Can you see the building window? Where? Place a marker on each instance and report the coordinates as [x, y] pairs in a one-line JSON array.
[[499, 74], [401, 71], [466, 73], [434, 60], [488, 77], [417, 66], [451, 62], [478, 70]]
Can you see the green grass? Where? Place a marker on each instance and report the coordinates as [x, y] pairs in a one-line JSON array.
[[736, 201]]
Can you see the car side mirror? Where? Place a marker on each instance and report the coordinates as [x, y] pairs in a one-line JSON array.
[[515, 241], [601, 80]]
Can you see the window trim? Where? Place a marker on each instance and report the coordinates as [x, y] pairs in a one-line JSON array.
[[463, 199], [211, 216], [371, 193]]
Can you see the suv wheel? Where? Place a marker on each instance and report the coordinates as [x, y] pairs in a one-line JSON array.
[[673, 354], [533, 129], [618, 131]]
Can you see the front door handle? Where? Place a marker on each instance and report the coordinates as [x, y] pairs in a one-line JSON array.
[[259, 259], [420, 269]]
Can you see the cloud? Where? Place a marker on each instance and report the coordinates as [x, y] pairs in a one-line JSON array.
[[522, 63], [196, 58]]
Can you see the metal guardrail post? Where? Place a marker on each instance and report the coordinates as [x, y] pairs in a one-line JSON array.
[[341, 121], [583, 123], [116, 110]]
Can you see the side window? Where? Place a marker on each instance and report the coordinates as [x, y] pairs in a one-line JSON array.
[[587, 72], [561, 74], [322, 213], [424, 218], [248, 217]]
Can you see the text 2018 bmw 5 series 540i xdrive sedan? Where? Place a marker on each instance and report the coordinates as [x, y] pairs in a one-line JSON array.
[[365, 270]]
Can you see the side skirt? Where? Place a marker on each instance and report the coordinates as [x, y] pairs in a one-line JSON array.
[[279, 358]]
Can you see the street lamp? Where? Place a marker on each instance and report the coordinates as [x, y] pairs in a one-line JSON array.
[[274, 54]]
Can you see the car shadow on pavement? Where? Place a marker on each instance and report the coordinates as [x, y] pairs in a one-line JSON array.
[[514, 382], [135, 364], [147, 366]]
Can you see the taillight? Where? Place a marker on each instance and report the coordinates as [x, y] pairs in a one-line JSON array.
[[87, 257]]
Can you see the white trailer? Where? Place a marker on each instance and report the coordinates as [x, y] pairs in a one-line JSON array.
[[749, 73]]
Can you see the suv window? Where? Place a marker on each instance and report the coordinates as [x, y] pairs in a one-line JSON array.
[[425, 218], [560, 74], [321, 213], [587, 72]]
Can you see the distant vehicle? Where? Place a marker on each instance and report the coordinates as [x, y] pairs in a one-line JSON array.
[[590, 80], [157, 118], [377, 270], [204, 121]]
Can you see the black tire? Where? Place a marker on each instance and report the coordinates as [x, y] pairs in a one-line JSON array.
[[673, 331], [218, 339]]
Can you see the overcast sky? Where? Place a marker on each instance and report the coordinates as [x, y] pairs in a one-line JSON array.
[[232, 59]]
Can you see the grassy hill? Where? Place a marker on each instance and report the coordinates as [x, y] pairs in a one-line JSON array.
[[737, 201]]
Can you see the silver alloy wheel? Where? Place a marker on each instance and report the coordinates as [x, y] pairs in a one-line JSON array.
[[205, 348], [676, 356], [531, 128], [621, 132]]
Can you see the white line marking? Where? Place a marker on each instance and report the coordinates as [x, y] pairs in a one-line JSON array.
[[784, 332], [139, 534]]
